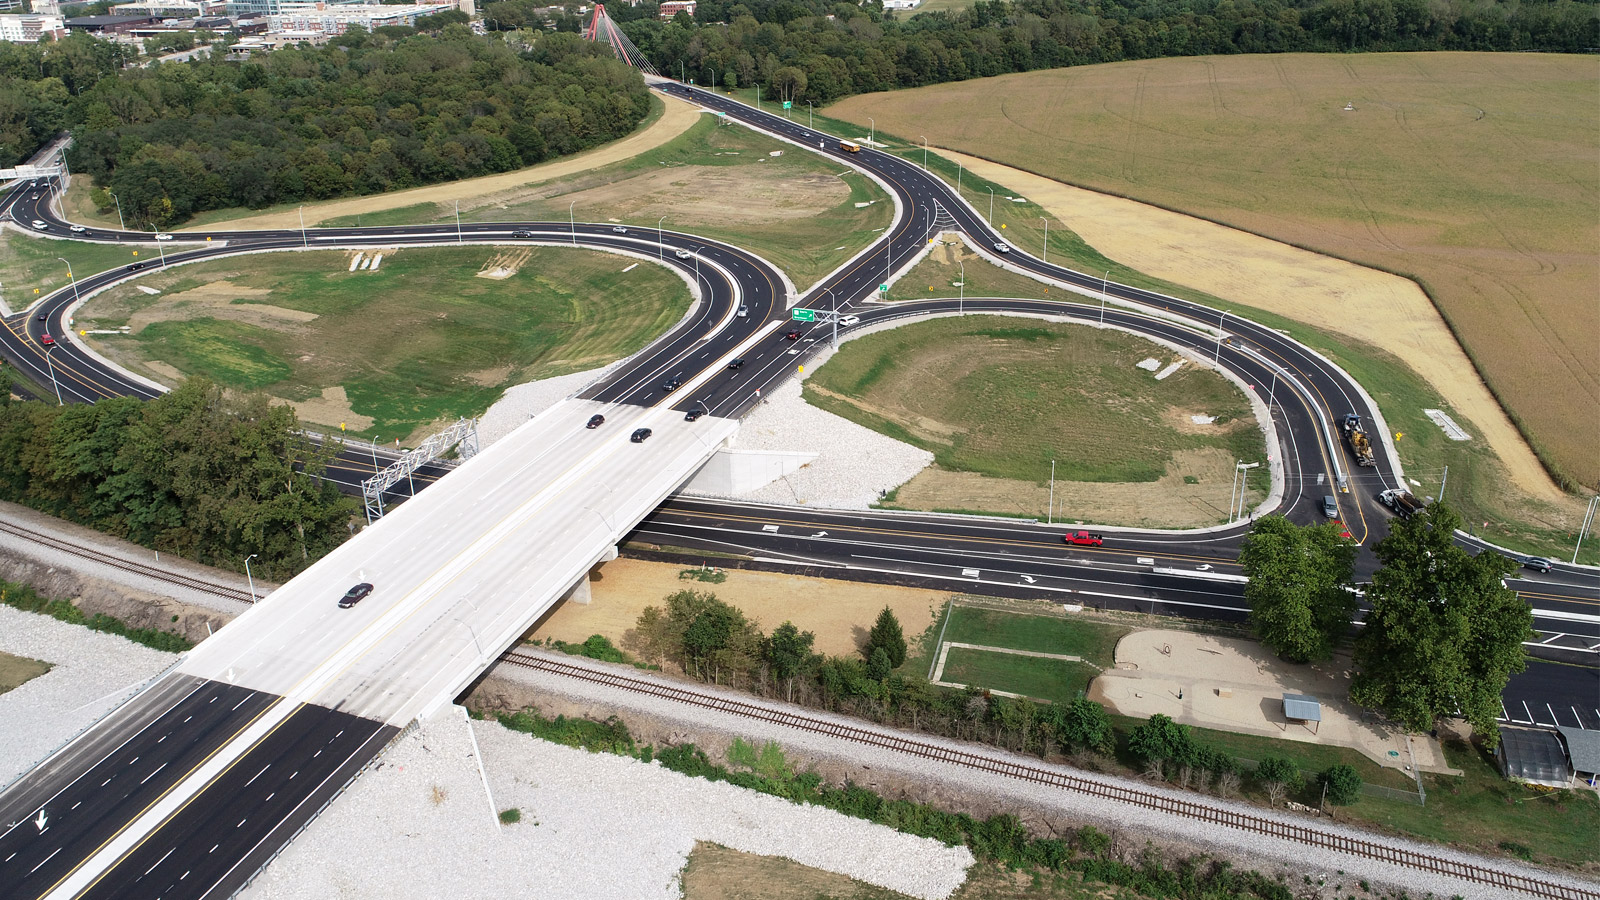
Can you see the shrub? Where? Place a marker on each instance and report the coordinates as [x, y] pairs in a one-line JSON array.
[[1342, 783], [510, 816]]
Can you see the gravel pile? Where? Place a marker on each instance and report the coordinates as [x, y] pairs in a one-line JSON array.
[[92, 673], [1137, 823], [593, 826], [853, 464]]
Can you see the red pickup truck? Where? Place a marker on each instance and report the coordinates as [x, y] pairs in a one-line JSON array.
[[1083, 539]]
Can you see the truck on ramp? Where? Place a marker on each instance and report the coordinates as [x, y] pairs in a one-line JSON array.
[[1356, 436]]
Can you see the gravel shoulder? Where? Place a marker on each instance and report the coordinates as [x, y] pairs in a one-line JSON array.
[[91, 673], [422, 819]]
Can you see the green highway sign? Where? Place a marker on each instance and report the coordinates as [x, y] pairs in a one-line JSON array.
[[884, 288], [787, 104], [803, 315]]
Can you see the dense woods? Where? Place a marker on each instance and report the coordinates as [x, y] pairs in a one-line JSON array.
[[794, 50], [365, 113], [197, 472]]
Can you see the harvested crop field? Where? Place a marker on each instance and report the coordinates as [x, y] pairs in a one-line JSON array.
[[1015, 394], [1475, 173], [388, 352]]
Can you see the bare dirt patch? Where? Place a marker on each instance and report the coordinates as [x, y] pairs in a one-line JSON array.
[[716, 873], [505, 263], [332, 408], [699, 194], [219, 300], [838, 612], [677, 119], [1169, 502]]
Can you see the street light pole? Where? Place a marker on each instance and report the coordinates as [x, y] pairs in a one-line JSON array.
[[991, 207], [52, 367], [1588, 520], [1103, 279], [661, 249], [872, 130], [120, 225], [75, 298], [924, 151], [958, 178], [572, 223], [250, 577], [1046, 238], [811, 115], [1050, 517], [961, 300], [304, 243], [835, 317], [458, 222], [1216, 357]]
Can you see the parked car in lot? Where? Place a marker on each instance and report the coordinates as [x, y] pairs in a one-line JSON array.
[[693, 414], [683, 254], [640, 435], [77, 229], [1537, 563], [619, 229], [595, 421], [1002, 247], [847, 321], [355, 595], [522, 234]]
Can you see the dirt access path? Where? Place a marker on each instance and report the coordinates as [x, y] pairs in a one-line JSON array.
[[674, 121], [1384, 310]]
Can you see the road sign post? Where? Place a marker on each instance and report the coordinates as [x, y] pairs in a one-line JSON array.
[[803, 315]]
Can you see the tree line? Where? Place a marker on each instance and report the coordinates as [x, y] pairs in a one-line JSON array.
[[820, 51], [1442, 637], [366, 113], [197, 472]]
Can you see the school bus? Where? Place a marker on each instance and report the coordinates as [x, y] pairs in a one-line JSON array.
[[850, 146]]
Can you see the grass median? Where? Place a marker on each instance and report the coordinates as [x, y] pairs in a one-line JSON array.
[[433, 334]]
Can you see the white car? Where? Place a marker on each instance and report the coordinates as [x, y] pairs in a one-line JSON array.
[[163, 237], [1002, 247], [619, 229], [683, 254], [77, 229], [847, 321], [40, 225]]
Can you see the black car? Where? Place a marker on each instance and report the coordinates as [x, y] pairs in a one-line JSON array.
[[355, 595], [639, 435], [737, 363], [43, 316], [693, 414], [595, 421], [522, 234], [671, 384], [135, 267]]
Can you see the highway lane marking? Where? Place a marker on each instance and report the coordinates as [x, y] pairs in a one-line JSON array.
[[42, 861]]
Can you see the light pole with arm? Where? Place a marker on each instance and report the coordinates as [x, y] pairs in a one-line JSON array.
[[661, 249], [991, 207], [1217, 356], [924, 151], [872, 130], [249, 577], [52, 367], [458, 222], [75, 298], [811, 115], [835, 317], [1103, 279], [961, 300], [572, 223], [120, 225], [1046, 238], [304, 243]]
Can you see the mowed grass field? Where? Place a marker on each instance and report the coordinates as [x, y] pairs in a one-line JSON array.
[[32, 267], [721, 182], [1056, 680], [18, 670], [1476, 174], [1015, 393], [392, 352]]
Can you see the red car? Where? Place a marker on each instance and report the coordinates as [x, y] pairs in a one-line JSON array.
[[1083, 539], [46, 340], [792, 336]]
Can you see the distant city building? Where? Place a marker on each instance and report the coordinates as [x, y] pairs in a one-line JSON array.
[[109, 25], [670, 8], [901, 4], [27, 29], [173, 9], [322, 18], [10, 5]]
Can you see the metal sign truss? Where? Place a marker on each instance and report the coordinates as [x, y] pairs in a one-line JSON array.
[[463, 435]]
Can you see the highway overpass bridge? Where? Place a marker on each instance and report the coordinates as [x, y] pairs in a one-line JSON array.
[[189, 788]]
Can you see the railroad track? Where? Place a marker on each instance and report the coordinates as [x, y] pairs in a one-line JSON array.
[[1227, 818], [127, 565]]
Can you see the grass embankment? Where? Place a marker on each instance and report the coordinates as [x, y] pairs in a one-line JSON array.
[[25, 598], [389, 353], [31, 268], [1018, 394], [16, 671], [1413, 179]]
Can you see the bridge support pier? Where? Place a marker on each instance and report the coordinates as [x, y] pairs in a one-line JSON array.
[[579, 593]]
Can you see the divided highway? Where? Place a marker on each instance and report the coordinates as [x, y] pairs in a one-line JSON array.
[[188, 789]]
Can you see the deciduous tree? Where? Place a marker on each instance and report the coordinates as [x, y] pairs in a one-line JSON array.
[[1300, 602]]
